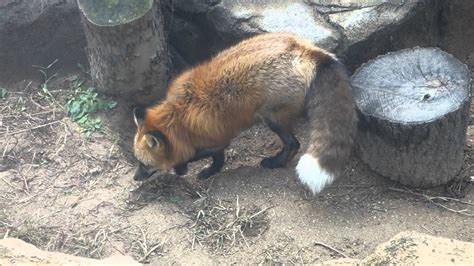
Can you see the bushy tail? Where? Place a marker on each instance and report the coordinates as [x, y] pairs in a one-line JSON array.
[[333, 125]]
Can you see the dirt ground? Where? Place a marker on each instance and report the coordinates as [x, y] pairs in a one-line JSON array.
[[63, 191]]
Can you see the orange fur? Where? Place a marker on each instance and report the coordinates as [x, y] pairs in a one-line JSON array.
[[208, 105]]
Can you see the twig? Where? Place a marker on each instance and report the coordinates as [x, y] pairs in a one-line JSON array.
[[331, 248], [6, 147], [49, 66], [25, 182], [32, 162], [429, 231], [463, 172], [33, 128], [155, 247], [260, 212], [144, 246], [431, 200], [54, 62], [27, 85], [8, 183], [5, 224], [237, 209], [37, 104], [6, 234], [351, 186], [243, 237]]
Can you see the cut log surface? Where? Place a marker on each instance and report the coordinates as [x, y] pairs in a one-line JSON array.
[[414, 107], [126, 47]]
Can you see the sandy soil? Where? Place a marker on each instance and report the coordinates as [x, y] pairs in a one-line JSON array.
[[65, 192]]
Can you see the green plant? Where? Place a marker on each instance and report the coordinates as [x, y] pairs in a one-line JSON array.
[[3, 93], [83, 105]]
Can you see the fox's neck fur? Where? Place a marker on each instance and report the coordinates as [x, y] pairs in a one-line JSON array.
[[168, 118]]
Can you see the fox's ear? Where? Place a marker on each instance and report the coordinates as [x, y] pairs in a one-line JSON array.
[[155, 139], [139, 115]]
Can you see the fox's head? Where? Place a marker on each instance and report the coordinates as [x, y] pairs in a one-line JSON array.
[[151, 148]]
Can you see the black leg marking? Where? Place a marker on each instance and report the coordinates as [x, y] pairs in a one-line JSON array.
[[218, 159], [181, 169], [289, 150]]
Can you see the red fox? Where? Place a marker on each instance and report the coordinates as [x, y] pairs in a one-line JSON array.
[[271, 77]]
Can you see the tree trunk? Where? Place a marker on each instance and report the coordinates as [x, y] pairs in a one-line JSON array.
[[126, 47], [414, 109]]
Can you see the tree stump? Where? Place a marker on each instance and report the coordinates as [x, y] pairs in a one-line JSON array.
[[414, 110], [126, 47]]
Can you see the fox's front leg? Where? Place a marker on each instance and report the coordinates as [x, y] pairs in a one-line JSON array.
[[181, 169], [218, 159]]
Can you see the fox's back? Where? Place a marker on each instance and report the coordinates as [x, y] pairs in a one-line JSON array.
[[279, 58], [253, 78]]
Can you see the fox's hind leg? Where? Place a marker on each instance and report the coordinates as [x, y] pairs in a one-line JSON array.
[[290, 144]]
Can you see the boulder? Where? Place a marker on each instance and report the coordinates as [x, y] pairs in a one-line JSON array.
[[422, 249], [38, 33], [355, 30], [413, 248], [17, 252], [235, 20]]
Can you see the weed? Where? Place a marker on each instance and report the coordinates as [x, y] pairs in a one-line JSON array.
[[3, 93], [83, 105], [20, 105], [222, 227]]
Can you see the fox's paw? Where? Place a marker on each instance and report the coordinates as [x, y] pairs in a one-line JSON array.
[[181, 169], [273, 162], [206, 173]]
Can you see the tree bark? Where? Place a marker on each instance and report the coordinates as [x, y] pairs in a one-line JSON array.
[[127, 49], [414, 110]]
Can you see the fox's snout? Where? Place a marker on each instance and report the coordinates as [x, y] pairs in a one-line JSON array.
[[142, 173]]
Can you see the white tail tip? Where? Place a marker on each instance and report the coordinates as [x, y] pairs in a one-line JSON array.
[[312, 175]]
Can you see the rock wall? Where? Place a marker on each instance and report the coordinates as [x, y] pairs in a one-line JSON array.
[[355, 30], [38, 32]]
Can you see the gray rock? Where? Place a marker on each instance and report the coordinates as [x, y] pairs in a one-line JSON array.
[[414, 248], [15, 251], [359, 22], [373, 27], [240, 20], [37, 33], [355, 30]]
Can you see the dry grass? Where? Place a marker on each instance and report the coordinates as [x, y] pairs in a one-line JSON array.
[[435, 200], [37, 137], [146, 248], [223, 225], [31, 111]]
